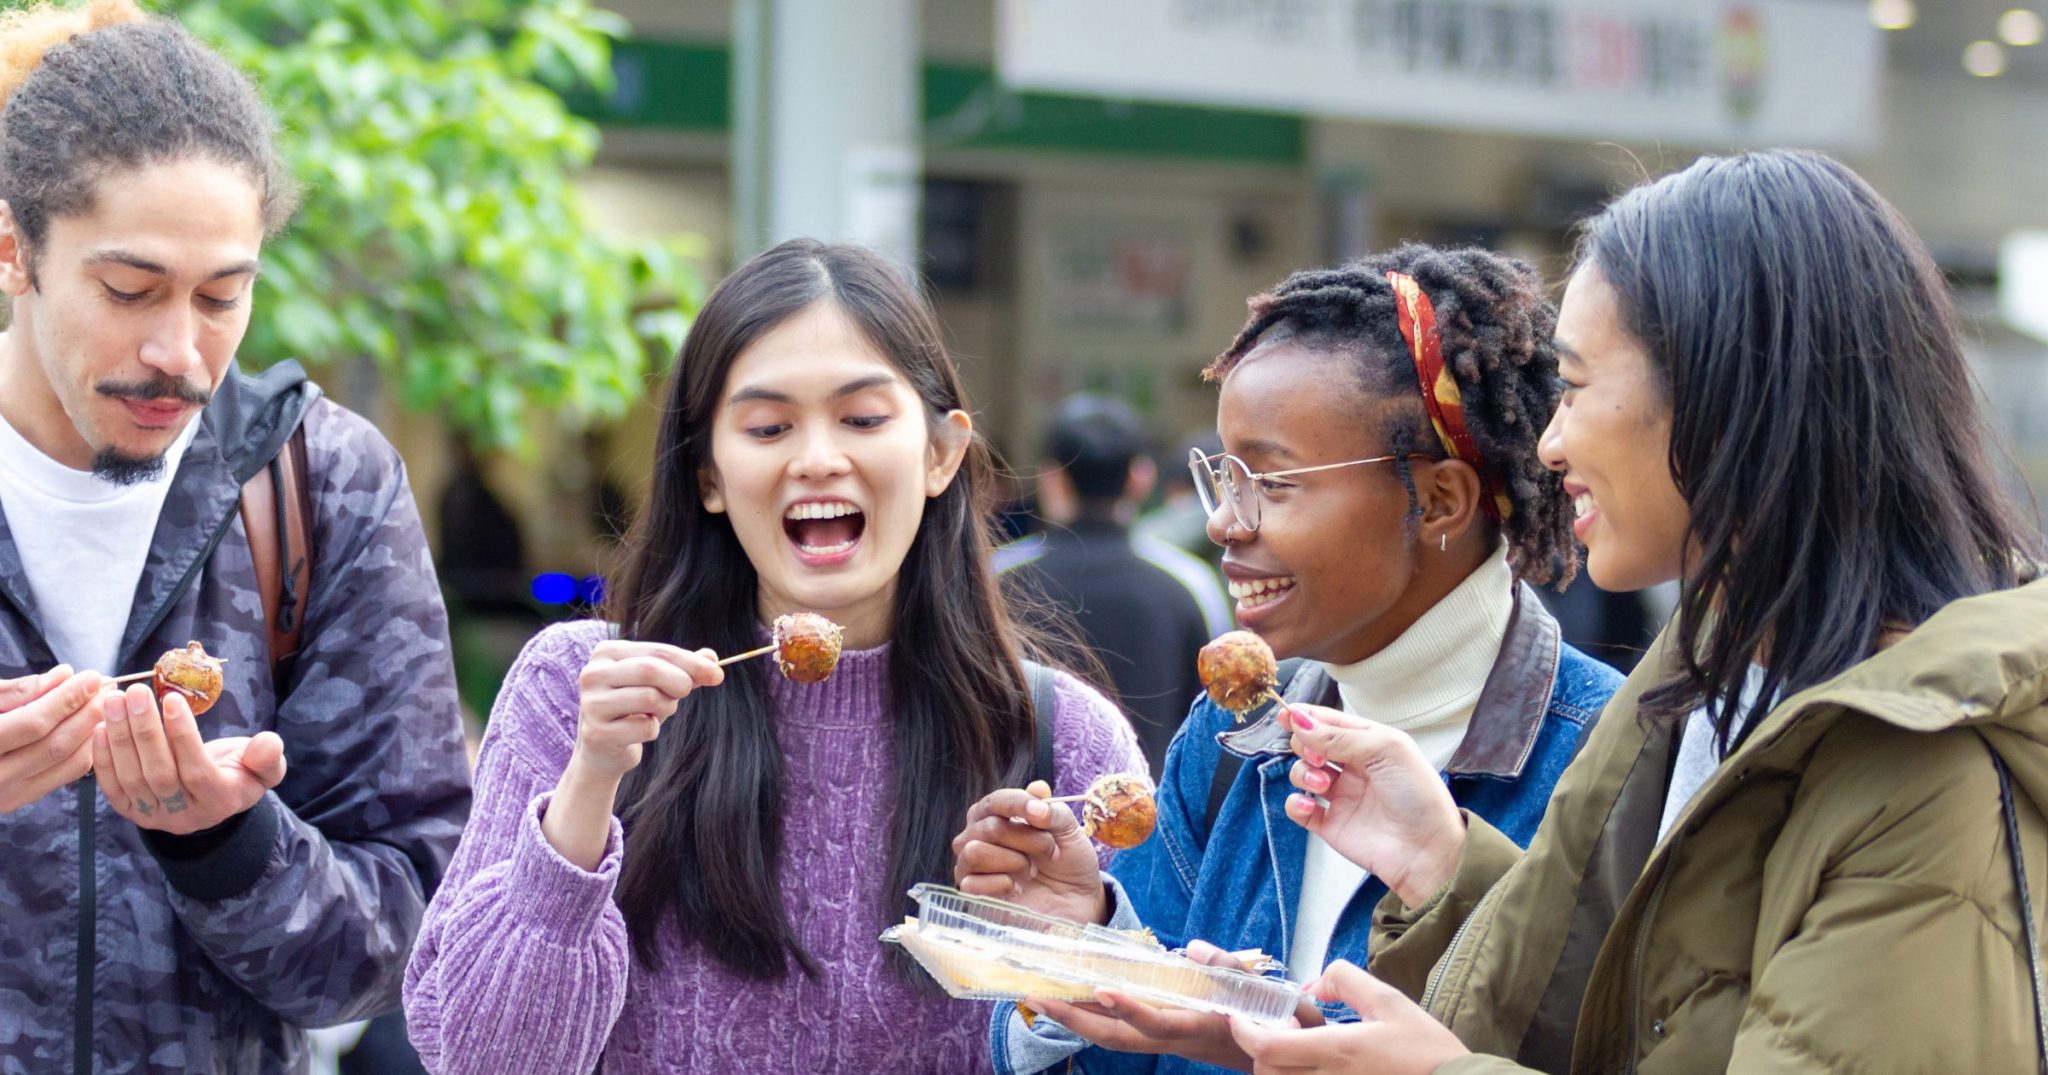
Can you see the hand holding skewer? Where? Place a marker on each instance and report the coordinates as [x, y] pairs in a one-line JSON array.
[[154, 765]]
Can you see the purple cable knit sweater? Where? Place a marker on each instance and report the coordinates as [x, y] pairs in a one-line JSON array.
[[523, 963]]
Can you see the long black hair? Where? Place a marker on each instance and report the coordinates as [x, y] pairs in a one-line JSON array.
[[703, 811], [1825, 429], [1497, 329]]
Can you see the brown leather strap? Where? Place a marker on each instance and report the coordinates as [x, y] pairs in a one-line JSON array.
[[277, 514], [259, 520], [298, 518]]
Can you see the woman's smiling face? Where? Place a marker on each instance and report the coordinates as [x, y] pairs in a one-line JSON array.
[[822, 457], [1328, 573], [1611, 440]]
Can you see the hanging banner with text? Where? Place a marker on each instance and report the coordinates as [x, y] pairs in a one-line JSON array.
[[1704, 72]]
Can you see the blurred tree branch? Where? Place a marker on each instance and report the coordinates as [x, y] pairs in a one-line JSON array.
[[442, 235]]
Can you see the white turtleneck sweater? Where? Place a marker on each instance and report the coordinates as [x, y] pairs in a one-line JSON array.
[[1425, 683]]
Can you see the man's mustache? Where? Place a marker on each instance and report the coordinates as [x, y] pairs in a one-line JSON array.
[[163, 386]]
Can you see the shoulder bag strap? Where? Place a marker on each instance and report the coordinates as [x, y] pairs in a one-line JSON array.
[[2028, 932], [1042, 707]]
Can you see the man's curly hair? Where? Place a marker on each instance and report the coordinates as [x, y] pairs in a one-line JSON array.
[[1497, 327]]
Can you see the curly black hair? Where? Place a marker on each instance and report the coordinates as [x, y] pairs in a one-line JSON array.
[[103, 88], [1496, 325]]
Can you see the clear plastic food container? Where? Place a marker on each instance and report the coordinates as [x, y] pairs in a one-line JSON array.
[[986, 949]]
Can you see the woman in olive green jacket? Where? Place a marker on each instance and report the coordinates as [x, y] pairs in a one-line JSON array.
[[1789, 844]]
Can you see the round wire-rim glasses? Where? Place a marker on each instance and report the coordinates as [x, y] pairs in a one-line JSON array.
[[1224, 478]]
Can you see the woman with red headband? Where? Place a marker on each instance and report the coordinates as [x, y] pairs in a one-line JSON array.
[[1383, 510]]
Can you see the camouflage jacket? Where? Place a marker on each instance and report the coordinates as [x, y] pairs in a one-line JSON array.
[[121, 952]]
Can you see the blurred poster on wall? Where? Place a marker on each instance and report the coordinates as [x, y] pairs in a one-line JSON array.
[[1347, 230], [1106, 279], [1706, 72]]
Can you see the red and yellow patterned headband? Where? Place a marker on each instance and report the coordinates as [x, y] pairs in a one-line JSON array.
[[1440, 390]]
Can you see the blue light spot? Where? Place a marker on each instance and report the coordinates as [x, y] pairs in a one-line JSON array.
[[592, 590], [554, 588]]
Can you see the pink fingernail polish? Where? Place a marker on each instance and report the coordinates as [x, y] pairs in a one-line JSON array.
[[1304, 722]]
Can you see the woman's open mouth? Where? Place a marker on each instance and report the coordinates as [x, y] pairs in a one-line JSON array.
[[824, 532]]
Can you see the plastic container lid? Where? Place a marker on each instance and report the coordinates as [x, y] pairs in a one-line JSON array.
[[986, 949]]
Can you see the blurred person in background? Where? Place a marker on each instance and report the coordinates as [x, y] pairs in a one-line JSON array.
[[1614, 627], [1179, 519], [1144, 607], [232, 874], [483, 555]]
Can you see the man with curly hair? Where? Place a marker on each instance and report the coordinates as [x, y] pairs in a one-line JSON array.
[[183, 888]]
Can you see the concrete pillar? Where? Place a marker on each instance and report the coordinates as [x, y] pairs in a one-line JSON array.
[[826, 109]]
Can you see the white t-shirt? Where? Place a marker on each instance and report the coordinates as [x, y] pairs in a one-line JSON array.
[[1426, 683], [83, 542]]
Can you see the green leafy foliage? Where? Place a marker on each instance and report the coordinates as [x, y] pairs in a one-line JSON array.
[[441, 233]]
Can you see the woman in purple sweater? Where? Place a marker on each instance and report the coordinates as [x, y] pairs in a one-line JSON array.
[[709, 900]]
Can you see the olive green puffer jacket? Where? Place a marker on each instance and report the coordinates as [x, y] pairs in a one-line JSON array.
[[1838, 896]]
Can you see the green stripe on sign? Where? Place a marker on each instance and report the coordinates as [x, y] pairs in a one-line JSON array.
[[966, 108], [688, 86], [666, 84]]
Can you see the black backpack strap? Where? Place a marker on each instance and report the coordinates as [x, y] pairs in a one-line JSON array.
[[2028, 932], [1042, 706], [1227, 764]]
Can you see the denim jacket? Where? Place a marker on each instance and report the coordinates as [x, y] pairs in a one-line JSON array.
[[1238, 886]]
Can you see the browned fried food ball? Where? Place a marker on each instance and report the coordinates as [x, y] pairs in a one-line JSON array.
[[192, 673], [1118, 810], [806, 646], [1238, 669]]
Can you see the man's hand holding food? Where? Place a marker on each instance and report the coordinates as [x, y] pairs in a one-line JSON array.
[[156, 770]]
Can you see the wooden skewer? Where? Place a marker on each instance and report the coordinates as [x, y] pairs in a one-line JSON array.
[[1267, 694], [1293, 712], [1254, 960], [134, 677], [1281, 702], [769, 648]]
